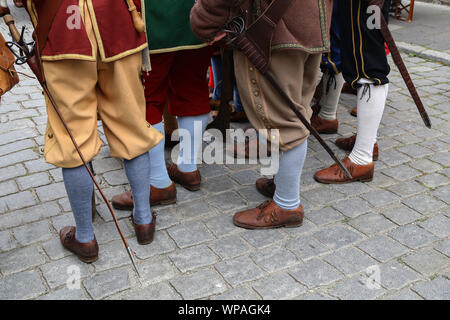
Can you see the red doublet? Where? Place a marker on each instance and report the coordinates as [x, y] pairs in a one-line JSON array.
[[68, 39]]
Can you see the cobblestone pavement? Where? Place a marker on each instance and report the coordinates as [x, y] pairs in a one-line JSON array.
[[396, 226]]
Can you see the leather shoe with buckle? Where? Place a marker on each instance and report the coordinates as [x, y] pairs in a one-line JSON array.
[[335, 175], [145, 232], [266, 187], [324, 126], [86, 252], [268, 216]]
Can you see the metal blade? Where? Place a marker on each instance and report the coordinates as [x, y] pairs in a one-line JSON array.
[[131, 254]]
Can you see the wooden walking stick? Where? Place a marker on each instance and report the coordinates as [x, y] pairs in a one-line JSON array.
[[31, 56]]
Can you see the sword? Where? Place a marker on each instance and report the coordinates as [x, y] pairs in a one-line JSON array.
[[387, 35], [29, 54]]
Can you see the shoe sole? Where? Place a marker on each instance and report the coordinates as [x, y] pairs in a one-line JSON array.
[[327, 131], [249, 227], [192, 188], [344, 182], [162, 202]]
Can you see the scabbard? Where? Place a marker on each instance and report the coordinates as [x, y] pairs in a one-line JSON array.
[[398, 60]]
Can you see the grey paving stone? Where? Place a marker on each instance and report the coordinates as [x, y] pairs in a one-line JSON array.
[[186, 195], [415, 151], [443, 193], [371, 223], [38, 165], [166, 217], [402, 173], [315, 273], [156, 270], [162, 244], [380, 198], [239, 270], [212, 170], [274, 258], [8, 187], [12, 172], [306, 247], [426, 261], [222, 225], [433, 180], [423, 203], [16, 146], [193, 209], [111, 255], [251, 195], [31, 214], [352, 207], [239, 293], [25, 285], [405, 294], [51, 192], [19, 200], [412, 236], [246, 177], [199, 284], [393, 157], [352, 189], [263, 238], [425, 165], [31, 233], [65, 294], [436, 289], [337, 236], [356, 288], [226, 201], [189, 234], [218, 184], [106, 164], [193, 258], [33, 181], [349, 260], [438, 225], [444, 247], [17, 157], [322, 195], [20, 259], [441, 158], [315, 297], [58, 273], [106, 232], [229, 247], [107, 283], [115, 178], [324, 216], [402, 215], [54, 249], [157, 291], [277, 287], [395, 276], [382, 248]]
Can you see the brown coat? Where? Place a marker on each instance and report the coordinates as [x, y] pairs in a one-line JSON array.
[[305, 26]]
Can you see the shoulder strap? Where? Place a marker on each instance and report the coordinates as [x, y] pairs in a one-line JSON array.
[[276, 10]]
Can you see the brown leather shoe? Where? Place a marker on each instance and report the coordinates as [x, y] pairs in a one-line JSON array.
[[335, 175], [347, 144], [145, 232], [124, 201], [324, 126], [354, 112], [86, 252], [268, 216], [347, 88], [266, 187], [189, 180]]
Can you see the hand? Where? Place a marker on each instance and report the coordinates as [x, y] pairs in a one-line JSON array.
[[217, 38]]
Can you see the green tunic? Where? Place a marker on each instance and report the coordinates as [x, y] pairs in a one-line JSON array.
[[168, 26]]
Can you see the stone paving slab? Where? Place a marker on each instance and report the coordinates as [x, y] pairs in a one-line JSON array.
[[396, 226]]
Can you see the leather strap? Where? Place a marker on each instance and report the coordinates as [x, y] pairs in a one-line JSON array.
[[275, 11], [45, 23]]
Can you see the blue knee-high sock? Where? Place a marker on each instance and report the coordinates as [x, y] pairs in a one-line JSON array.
[[195, 126], [159, 177], [138, 174], [287, 180], [79, 187]]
